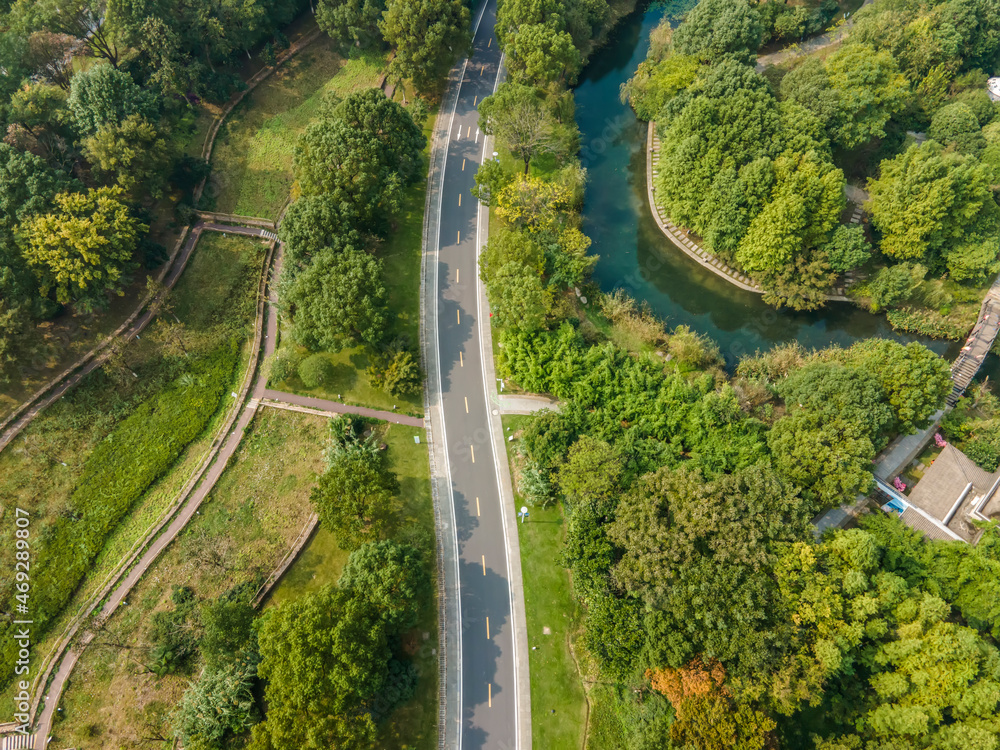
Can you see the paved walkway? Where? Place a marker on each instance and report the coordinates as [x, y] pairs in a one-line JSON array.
[[323, 406], [810, 45], [190, 500], [978, 344]]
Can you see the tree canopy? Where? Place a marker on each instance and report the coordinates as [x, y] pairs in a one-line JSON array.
[[83, 249]]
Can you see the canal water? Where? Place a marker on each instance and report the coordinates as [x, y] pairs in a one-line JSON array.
[[637, 257]]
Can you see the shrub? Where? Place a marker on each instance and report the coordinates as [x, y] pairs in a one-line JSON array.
[[315, 371], [284, 365], [396, 372]]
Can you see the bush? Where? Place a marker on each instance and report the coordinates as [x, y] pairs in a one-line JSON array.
[[315, 371], [396, 372], [284, 365]]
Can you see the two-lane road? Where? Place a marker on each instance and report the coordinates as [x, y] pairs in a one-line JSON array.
[[488, 676]]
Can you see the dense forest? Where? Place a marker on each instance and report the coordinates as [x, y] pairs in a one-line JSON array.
[[97, 102], [689, 492], [754, 162]]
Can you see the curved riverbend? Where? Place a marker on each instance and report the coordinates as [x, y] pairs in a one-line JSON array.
[[636, 256]]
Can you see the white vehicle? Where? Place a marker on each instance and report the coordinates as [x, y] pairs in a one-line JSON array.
[[993, 88]]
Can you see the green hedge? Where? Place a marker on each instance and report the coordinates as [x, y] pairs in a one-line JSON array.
[[140, 450]]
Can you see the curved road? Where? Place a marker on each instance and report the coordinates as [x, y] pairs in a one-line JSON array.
[[487, 690]]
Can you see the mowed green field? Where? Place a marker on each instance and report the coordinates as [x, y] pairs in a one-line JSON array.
[[252, 158], [558, 701]]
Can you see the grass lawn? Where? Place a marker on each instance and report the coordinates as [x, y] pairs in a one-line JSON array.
[[550, 606], [215, 299], [414, 725], [248, 522], [252, 157], [350, 384]]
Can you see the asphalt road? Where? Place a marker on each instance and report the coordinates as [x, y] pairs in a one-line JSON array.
[[489, 693]]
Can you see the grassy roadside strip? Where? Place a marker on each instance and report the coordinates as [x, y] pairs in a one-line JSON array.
[[413, 726], [213, 300], [559, 710], [401, 255], [252, 153]]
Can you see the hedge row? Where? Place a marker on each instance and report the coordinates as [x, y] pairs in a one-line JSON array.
[[121, 468]]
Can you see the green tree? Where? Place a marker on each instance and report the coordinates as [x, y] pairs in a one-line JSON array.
[[133, 154], [829, 457], [591, 474], [396, 371], [926, 199], [848, 248], [834, 391], [870, 89], [542, 54], [891, 286], [808, 85], [105, 95], [915, 379], [313, 223], [323, 656], [350, 21], [805, 205], [315, 370], [517, 298], [516, 115], [392, 579], [400, 138], [491, 178], [717, 28], [957, 125], [338, 301], [361, 155], [428, 36], [683, 538], [228, 630], [83, 249], [354, 498]]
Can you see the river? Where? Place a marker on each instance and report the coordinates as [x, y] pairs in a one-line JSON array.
[[636, 256]]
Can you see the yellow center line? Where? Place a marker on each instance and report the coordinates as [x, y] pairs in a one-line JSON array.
[[475, 101], [459, 236], [468, 132], [473, 449], [484, 564], [461, 360], [487, 627], [460, 199], [487, 45], [463, 165], [458, 315], [458, 272], [477, 506], [491, 696], [466, 404]]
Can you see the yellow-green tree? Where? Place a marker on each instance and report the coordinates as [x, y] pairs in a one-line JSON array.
[[83, 249]]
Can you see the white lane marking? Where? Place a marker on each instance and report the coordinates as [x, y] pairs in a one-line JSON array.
[[496, 459]]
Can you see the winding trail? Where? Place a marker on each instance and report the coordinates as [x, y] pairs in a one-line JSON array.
[[102, 605], [53, 390]]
